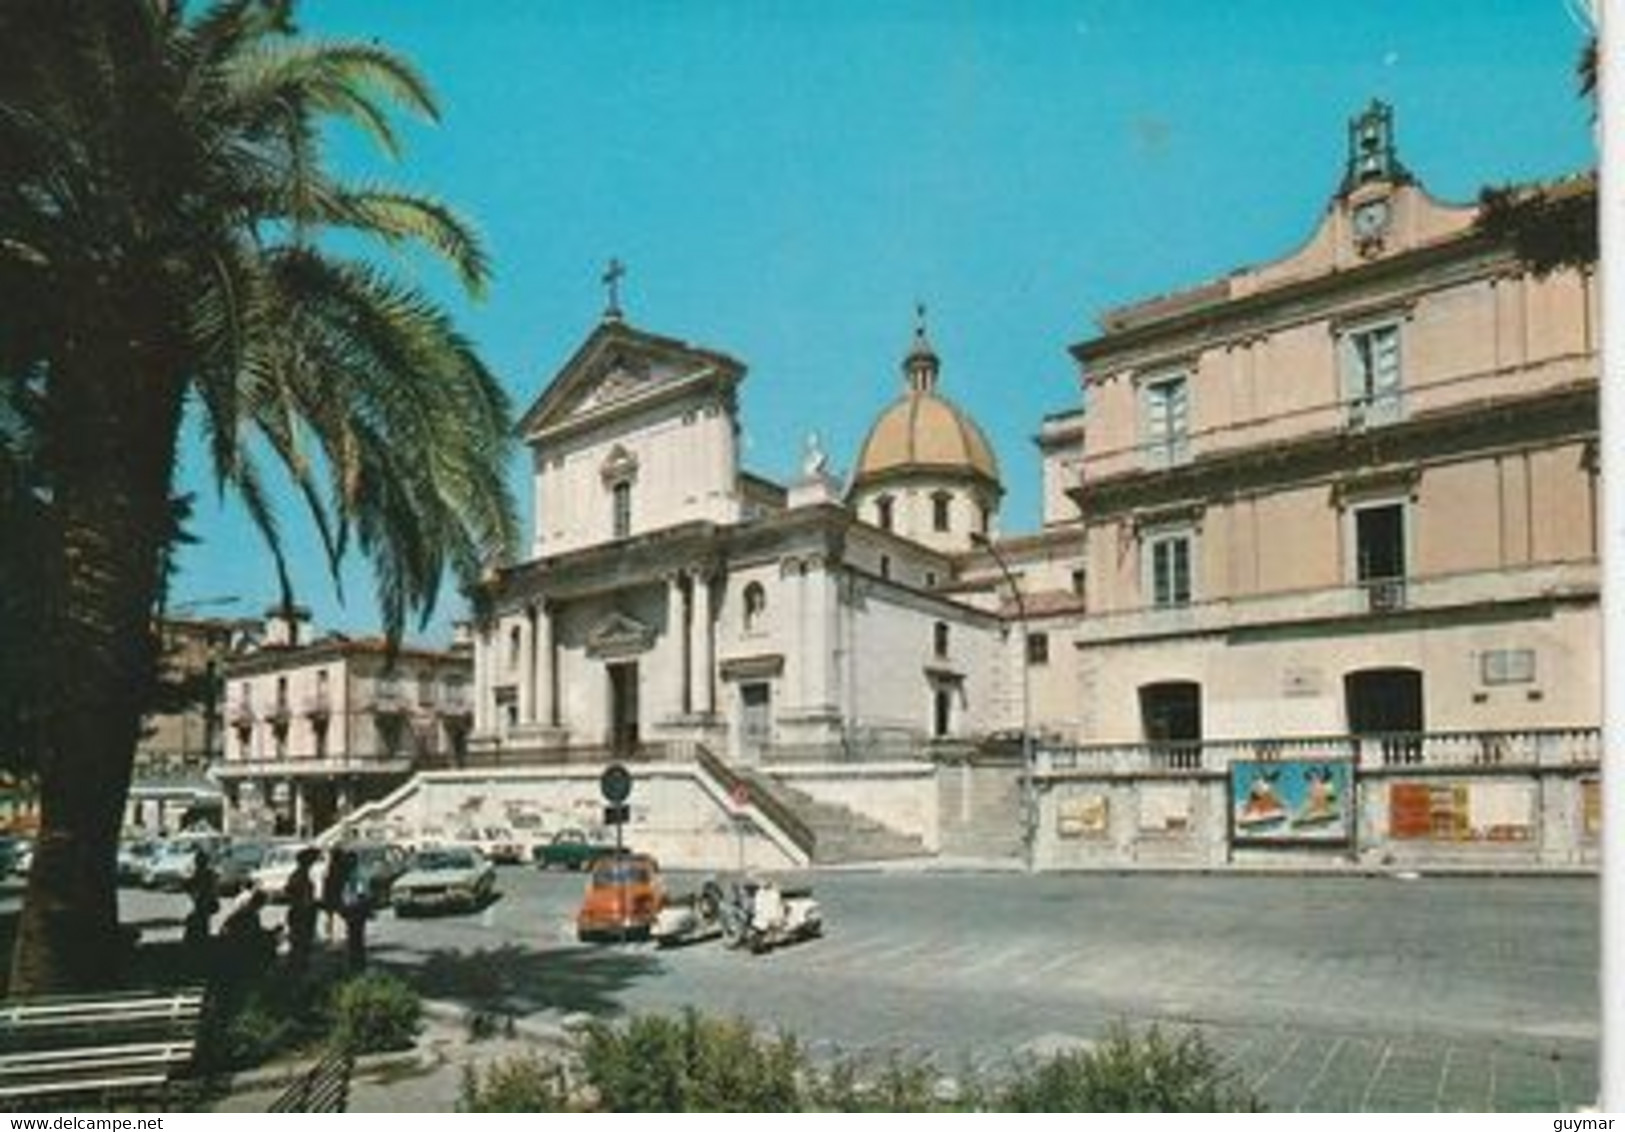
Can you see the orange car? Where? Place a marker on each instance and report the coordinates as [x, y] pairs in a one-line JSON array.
[[624, 895]]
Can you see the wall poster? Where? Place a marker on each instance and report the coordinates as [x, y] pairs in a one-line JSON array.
[[1291, 802], [1083, 815], [1461, 811]]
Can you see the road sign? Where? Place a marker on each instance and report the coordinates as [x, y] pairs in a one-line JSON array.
[[615, 783], [617, 815]]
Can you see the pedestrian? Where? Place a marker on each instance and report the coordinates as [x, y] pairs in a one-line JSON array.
[[354, 907], [247, 946], [332, 892], [203, 886], [301, 911]]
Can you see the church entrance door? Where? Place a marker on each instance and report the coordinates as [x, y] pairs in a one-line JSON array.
[[756, 720], [623, 706]]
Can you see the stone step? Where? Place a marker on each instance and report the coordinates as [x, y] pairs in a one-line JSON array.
[[841, 835]]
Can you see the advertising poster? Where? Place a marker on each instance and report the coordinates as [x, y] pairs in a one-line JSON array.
[[1291, 802]]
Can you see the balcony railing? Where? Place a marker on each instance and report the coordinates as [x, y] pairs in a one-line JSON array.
[[1550, 747]]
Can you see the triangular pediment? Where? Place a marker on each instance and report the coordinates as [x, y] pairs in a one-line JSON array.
[[619, 634], [619, 366]]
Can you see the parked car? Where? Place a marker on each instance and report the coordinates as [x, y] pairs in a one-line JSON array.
[[171, 866], [16, 854], [133, 857], [623, 898], [236, 864], [379, 864], [496, 843], [449, 877], [570, 849]]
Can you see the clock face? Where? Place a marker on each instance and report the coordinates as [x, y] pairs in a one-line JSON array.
[[1371, 219]]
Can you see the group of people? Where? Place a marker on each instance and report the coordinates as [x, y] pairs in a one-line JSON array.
[[245, 941]]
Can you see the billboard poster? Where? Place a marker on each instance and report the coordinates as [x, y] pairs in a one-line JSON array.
[[1291, 802]]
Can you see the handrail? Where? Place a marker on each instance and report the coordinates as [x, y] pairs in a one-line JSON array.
[[799, 832]]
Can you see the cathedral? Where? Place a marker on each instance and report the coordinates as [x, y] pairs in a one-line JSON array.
[[672, 596]]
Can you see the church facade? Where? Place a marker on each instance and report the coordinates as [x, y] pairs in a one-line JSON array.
[[671, 596]]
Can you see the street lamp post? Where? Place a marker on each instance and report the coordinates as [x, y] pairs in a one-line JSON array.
[[1029, 785]]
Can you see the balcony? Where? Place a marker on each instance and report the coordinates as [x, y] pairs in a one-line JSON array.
[[1465, 750], [240, 713], [1441, 592], [318, 706]]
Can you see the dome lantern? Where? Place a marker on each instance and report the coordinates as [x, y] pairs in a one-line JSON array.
[[921, 364]]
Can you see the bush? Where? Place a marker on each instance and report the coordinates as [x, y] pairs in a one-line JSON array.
[[526, 1083], [375, 1014], [256, 1030], [691, 1064], [1126, 1073]]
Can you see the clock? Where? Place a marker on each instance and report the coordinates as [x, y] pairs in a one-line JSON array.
[[1371, 220]]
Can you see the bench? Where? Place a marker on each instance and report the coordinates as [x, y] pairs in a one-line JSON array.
[[324, 1087], [117, 1044]]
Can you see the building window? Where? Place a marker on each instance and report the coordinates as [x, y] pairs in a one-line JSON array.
[[1507, 666], [940, 505], [883, 512], [1037, 648], [984, 518], [885, 566], [939, 639], [755, 606], [1079, 580], [930, 579], [1165, 420], [515, 648], [1372, 376], [1168, 569], [1379, 547], [942, 714], [621, 502]]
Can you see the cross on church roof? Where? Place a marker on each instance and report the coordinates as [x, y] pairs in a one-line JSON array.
[[612, 285]]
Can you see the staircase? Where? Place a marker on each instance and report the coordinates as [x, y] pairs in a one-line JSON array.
[[840, 835]]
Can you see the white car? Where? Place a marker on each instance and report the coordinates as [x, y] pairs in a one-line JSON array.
[[171, 867], [496, 843], [448, 877]]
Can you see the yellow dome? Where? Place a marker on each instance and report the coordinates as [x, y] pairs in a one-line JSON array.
[[924, 432]]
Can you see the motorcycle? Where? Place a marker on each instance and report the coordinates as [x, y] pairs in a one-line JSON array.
[[762, 916], [693, 918]]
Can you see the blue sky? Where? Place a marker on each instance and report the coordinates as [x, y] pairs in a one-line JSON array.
[[785, 180]]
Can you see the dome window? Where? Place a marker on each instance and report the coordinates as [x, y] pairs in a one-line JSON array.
[[883, 512], [941, 511]]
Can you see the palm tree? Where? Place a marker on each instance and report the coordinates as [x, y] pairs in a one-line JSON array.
[[164, 215]]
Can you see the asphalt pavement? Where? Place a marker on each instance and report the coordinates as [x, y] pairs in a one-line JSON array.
[[1324, 993]]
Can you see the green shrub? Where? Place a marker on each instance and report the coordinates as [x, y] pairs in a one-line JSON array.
[[691, 1064], [256, 1030], [524, 1083], [1125, 1073], [900, 1085], [375, 1014]]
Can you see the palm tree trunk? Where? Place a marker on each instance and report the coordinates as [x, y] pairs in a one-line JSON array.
[[112, 440]]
